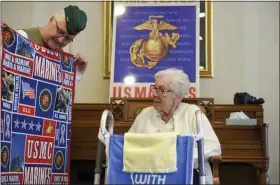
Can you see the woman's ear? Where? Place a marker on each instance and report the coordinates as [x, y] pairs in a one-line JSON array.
[[178, 99]]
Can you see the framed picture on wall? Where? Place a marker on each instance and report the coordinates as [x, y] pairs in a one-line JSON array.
[[206, 62]]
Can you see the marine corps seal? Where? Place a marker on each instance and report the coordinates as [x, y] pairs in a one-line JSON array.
[[45, 99], [59, 160], [9, 36]]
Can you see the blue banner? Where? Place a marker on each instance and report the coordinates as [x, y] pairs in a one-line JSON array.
[[184, 175], [148, 39], [36, 110]]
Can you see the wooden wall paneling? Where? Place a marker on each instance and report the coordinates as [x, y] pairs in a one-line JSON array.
[[84, 111], [84, 140]]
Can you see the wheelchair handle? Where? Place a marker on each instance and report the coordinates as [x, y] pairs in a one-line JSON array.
[[200, 146], [105, 115], [100, 149]]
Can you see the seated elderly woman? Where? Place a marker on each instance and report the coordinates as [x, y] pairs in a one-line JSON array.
[[169, 114]]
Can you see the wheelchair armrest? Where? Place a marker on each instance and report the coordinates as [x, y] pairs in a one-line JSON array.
[[215, 160]]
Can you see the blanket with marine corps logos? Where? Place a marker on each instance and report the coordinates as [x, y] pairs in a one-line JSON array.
[[36, 111]]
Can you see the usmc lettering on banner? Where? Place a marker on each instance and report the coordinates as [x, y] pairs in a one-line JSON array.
[[141, 92], [37, 174], [39, 150], [47, 69], [47, 64]]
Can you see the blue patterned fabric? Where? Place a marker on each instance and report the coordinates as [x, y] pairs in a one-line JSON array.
[[184, 175]]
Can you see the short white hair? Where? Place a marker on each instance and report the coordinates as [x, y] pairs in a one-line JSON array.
[[179, 80], [60, 15]]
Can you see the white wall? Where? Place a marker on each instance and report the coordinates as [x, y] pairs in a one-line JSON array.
[[245, 52], [246, 59]]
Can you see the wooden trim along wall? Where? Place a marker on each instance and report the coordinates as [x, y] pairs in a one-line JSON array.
[[84, 131]]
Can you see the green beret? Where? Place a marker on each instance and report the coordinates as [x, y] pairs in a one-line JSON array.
[[75, 18]]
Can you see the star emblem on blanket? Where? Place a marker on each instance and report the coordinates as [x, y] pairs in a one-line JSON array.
[[24, 123]]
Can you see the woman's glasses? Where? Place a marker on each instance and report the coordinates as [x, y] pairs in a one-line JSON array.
[[159, 91]]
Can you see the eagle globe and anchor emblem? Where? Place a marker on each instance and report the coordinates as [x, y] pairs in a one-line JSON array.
[[156, 46]]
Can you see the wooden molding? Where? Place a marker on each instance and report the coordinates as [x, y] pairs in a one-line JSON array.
[[88, 111]]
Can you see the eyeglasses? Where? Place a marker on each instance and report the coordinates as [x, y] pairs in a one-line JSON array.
[[159, 91], [62, 33]]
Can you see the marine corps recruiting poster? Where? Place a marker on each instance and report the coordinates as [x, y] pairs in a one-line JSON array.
[[150, 37], [36, 111]]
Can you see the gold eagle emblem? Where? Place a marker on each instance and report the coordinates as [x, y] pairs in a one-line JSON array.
[[156, 46]]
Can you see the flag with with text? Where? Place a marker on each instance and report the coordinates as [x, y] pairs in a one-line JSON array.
[[36, 111]]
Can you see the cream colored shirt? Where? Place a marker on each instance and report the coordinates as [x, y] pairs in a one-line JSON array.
[[182, 122]]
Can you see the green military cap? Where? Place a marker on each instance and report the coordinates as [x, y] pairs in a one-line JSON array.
[[76, 19]]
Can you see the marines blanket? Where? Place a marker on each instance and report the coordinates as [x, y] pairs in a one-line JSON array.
[[36, 111]]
